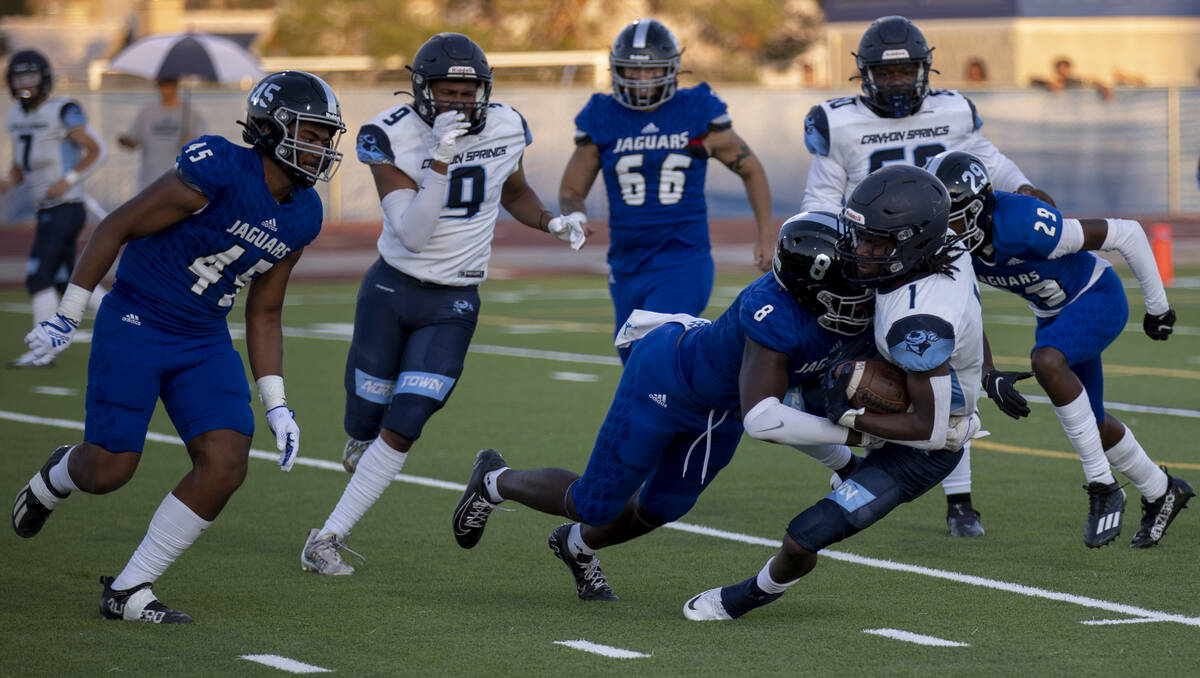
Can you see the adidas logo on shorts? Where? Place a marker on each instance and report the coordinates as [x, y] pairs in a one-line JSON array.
[[132, 319], [660, 398]]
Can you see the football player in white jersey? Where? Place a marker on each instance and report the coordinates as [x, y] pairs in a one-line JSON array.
[[899, 119], [443, 166], [54, 150], [928, 322]]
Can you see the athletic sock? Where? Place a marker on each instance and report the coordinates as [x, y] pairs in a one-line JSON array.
[[1128, 457], [768, 585], [60, 477], [491, 486], [959, 480], [378, 466], [1080, 425], [173, 528], [576, 545]]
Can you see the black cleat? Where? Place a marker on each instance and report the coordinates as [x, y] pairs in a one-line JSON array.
[[963, 520], [1106, 504], [589, 578], [471, 514], [137, 604], [1157, 515], [29, 512]]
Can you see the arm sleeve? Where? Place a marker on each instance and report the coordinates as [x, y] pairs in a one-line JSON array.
[[1127, 237], [941, 416], [414, 215], [1069, 241], [774, 422]]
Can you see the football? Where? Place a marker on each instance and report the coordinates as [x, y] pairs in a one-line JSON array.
[[875, 384]]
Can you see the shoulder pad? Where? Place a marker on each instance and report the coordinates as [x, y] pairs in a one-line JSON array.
[[816, 131], [373, 145], [71, 114]]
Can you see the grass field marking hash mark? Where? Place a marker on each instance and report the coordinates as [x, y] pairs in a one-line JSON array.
[[919, 639], [602, 650], [283, 663]]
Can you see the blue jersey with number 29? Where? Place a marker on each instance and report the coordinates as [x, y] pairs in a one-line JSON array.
[[189, 273]]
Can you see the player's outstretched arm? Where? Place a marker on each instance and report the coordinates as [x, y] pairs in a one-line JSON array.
[[1127, 237], [734, 153], [264, 347], [521, 201]]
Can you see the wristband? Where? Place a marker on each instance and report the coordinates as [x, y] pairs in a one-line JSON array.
[[270, 391], [71, 177], [74, 301]]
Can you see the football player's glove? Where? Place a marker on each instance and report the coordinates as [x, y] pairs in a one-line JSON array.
[[50, 338], [1001, 388], [569, 227], [1158, 327], [287, 435], [837, 403], [447, 128], [962, 429]]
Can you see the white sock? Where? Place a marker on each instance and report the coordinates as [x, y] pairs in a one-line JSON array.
[[959, 480], [490, 484], [97, 297], [1080, 424], [173, 528], [769, 585], [378, 466], [1128, 457], [576, 545], [45, 305], [832, 457], [60, 477]]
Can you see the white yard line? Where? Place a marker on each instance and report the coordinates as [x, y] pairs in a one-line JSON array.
[[283, 663], [957, 577], [910, 637], [602, 650]]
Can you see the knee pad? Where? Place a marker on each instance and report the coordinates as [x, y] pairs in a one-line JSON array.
[[593, 505]]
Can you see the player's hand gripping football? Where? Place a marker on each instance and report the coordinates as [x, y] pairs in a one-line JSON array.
[[1002, 389], [50, 338], [1159, 327], [447, 128], [287, 435], [837, 404], [569, 227]]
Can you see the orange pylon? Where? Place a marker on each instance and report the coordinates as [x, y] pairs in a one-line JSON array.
[[1160, 244]]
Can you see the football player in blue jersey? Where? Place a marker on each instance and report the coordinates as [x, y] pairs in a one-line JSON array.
[[928, 322], [898, 118], [443, 165], [1025, 246], [688, 391], [228, 216], [54, 150], [652, 141]]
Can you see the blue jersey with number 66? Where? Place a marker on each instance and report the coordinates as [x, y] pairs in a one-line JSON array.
[[189, 273]]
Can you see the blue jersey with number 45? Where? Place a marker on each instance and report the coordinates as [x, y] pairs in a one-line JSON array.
[[654, 165], [189, 273], [1025, 235]]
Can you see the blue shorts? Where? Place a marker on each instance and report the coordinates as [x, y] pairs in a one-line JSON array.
[[681, 289], [657, 436], [410, 341], [1083, 329], [134, 362]]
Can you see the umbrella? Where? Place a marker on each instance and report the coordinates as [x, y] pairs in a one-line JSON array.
[[169, 57]]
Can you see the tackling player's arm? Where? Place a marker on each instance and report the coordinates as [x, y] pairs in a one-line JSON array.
[[926, 424], [733, 152], [93, 150], [762, 381]]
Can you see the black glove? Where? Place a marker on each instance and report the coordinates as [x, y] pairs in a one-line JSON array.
[[1159, 327], [836, 402], [1001, 388]]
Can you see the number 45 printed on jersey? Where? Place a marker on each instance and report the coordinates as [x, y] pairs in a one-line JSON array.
[[207, 268]]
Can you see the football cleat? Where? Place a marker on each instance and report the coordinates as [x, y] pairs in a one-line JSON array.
[[28, 360], [353, 453], [590, 583], [1157, 515], [137, 604], [963, 520], [706, 606], [1106, 503], [471, 514], [324, 555], [36, 500]]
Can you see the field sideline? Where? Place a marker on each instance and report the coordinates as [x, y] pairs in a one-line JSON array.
[[900, 599]]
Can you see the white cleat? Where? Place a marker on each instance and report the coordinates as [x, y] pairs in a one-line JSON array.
[[706, 607], [324, 555]]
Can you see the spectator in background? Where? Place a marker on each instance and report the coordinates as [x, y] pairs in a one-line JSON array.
[[1065, 78], [160, 129], [976, 70]]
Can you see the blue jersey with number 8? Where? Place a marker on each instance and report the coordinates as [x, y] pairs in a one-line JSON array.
[[189, 273]]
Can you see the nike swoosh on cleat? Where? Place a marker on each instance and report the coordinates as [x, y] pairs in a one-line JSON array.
[[692, 603]]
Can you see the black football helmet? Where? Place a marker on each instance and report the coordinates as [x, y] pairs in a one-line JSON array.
[[29, 77], [645, 43], [451, 56], [808, 266], [274, 110], [971, 198], [903, 205], [893, 40]]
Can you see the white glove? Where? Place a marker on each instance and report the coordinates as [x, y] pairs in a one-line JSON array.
[[50, 338], [569, 227], [287, 435], [447, 128], [963, 429]]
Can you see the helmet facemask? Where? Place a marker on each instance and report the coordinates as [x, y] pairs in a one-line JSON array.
[[901, 99], [290, 146], [639, 94], [428, 106]]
